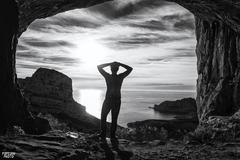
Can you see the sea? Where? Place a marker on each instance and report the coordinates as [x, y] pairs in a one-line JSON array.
[[136, 104]]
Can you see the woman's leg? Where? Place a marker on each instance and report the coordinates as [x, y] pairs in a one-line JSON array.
[[105, 110], [115, 112]]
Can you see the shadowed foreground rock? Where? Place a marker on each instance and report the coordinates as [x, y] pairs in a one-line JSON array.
[[58, 145], [50, 92], [162, 129]]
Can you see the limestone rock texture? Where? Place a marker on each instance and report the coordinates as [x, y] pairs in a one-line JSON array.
[[50, 92], [161, 129], [218, 55], [50, 84], [58, 145]]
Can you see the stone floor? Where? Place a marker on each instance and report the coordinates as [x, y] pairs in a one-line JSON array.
[[81, 146]]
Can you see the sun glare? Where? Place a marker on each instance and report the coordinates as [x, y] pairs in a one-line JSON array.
[[91, 53]]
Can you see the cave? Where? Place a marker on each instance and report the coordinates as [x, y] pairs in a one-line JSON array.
[[217, 50]]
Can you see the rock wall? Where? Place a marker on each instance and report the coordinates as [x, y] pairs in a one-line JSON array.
[[218, 55], [50, 92], [13, 110]]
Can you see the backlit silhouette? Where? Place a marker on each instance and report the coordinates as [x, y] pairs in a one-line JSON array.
[[112, 100]]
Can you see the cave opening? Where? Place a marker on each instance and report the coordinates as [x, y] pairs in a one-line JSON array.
[[158, 42]]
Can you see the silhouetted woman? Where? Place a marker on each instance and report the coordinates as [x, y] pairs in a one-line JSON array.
[[112, 100]]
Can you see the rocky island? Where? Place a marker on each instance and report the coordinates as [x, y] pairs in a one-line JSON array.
[[186, 120]]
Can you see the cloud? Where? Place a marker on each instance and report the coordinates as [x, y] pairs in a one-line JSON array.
[[185, 24], [136, 32], [21, 47], [140, 40], [27, 54], [151, 25], [66, 22], [76, 22], [34, 67], [177, 16], [120, 9], [172, 17], [35, 42], [162, 84], [156, 59], [168, 86], [61, 60], [86, 78], [179, 53], [181, 21]]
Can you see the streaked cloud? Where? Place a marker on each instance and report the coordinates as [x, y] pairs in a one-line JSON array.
[[34, 42], [155, 37], [141, 40], [118, 8]]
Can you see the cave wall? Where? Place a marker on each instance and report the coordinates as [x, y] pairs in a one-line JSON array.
[[218, 63], [8, 88]]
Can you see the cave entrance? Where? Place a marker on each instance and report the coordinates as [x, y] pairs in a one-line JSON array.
[[158, 42]]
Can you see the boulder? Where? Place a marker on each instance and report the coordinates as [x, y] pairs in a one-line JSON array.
[[48, 83], [218, 128], [162, 129], [185, 108], [50, 92]]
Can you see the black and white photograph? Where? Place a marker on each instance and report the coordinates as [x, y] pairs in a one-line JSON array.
[[120, 79]]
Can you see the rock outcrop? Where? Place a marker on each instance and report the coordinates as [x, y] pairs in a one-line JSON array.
[[161, 129], [50, 92], [59, 145], [218, 128], [218, 53], [185, 108]]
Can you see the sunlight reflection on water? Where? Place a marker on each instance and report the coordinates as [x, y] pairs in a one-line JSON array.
[[92, 99], [134, 106]]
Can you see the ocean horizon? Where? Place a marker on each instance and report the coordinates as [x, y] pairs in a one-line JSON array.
[[135, 104]]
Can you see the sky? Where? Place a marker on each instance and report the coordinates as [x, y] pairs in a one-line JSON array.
[[156, 38]]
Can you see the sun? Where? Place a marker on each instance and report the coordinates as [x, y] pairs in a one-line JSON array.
[[91, 53]]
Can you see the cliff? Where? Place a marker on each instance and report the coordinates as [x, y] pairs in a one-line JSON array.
[[50, 92], [218, 53]]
